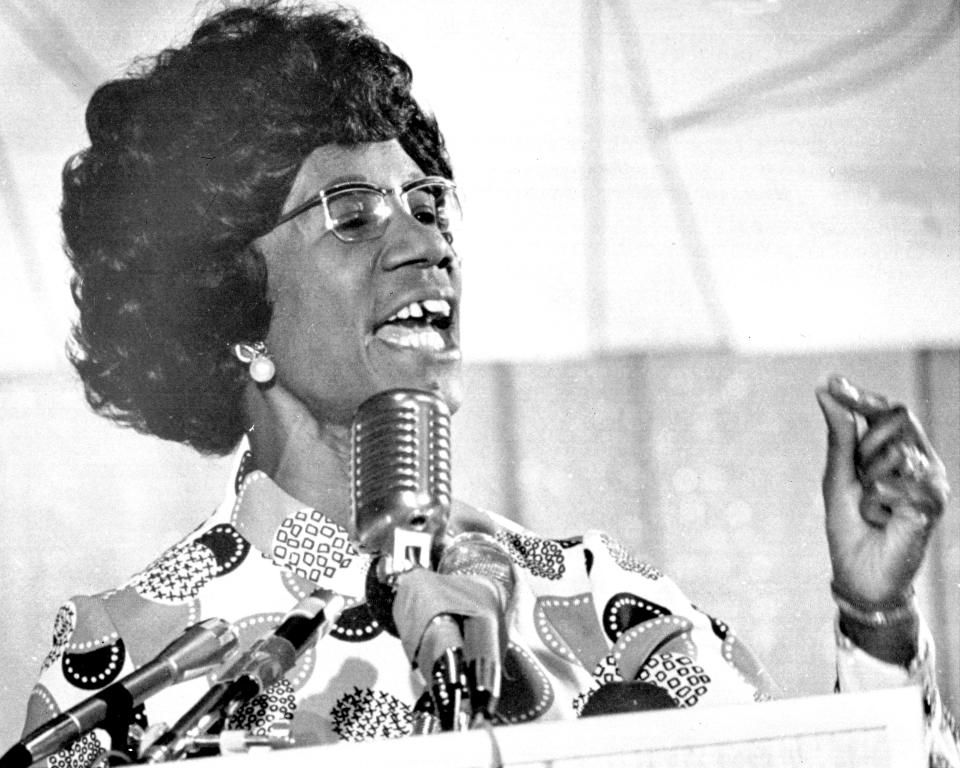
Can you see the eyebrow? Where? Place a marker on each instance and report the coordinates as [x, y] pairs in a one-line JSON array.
[[353, 178], [345, 179], [356, 177]]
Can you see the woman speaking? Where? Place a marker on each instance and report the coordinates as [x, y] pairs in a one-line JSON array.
[[264, 236]]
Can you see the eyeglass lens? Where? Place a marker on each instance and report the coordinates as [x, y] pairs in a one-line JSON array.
[[362, 214]]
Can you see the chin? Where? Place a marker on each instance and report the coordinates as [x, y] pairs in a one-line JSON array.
[[447, 388], [452, 395]]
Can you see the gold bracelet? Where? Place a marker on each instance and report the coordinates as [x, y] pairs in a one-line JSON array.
[[877, 617]]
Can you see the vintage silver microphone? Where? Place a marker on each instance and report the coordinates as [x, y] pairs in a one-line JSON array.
[[400, 466]]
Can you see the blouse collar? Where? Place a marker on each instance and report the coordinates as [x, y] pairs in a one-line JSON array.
[[292, 534]]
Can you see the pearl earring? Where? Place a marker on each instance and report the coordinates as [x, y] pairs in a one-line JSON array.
[[262, 369]]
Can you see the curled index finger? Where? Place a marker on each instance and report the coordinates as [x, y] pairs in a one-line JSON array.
[[868, 404]]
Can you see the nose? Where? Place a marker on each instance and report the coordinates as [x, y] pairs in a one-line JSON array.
[[408, 242]]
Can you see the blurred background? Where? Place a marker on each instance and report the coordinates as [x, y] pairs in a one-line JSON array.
[[681, 216]]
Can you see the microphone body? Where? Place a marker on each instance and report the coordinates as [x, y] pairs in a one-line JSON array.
[[259, 667], [400, 468], [200, 647]]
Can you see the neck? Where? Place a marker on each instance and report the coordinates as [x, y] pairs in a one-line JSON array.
[[307, 458]]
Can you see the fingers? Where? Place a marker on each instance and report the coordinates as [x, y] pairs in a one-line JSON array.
[[453, 628], [441, 651], [903, 464], [463, 656], [893, 459], [867, 404], [841, 439], [896, 424], [841, 486], [917, 505], [895, 454], [885, 462], [442, 633]]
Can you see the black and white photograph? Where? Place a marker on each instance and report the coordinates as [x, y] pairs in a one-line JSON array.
[[531, 382]]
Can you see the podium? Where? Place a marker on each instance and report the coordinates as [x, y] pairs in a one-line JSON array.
[[882, 729]]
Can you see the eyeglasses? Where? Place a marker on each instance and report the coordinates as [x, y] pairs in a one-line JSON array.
[[357, 211]]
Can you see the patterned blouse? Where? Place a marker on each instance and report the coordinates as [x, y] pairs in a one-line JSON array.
[[585, 612]]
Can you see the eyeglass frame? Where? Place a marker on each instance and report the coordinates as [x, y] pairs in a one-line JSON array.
[[324, 195]]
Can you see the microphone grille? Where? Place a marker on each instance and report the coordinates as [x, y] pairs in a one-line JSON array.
[[400, 465]]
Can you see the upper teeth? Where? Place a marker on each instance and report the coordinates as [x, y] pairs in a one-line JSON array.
[[418, 309]]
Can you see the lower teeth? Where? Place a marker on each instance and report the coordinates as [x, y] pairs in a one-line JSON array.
[[410, 339]]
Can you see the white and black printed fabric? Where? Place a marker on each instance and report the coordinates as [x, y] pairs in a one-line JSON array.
[[585, 612]]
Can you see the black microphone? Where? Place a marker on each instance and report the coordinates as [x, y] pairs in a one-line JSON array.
[[400, 468], [268, 659], [199, 648], [256, 669]]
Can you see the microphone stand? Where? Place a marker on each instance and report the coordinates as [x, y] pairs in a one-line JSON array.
[[119, 727], [208, 714]]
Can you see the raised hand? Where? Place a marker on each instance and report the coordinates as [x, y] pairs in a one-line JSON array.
[[884, 489]]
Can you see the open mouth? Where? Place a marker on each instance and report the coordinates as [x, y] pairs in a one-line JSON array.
[[424, 324]]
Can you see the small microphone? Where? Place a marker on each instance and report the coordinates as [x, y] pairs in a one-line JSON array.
[[199, 648], [400, 467], [256, 669], [481, 555], [268, 659], [474, 553]]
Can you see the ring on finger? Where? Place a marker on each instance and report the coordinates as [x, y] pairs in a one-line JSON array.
[[914, 465]]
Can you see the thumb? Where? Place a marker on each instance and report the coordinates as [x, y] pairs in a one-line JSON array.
[[841, 471]]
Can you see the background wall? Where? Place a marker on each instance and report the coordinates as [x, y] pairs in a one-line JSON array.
[[761, 175], [682, 215]]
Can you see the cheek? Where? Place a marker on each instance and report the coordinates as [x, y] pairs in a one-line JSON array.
[[315, 334], [306, 324]]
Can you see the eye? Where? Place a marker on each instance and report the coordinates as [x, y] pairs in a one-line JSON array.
[[425, 216], [423, 208], [357, 211], [355, 222]]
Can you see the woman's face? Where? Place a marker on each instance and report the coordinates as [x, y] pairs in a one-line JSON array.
[[335, 336]]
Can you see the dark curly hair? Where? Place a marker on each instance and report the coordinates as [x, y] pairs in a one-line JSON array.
[[191, 158]]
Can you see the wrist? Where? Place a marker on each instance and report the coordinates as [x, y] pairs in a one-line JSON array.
[[887, 632], [893, 644]]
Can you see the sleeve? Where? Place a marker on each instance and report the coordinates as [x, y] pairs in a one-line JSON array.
[[859, 671], [613, 617], [659, 636], [86, 655]]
